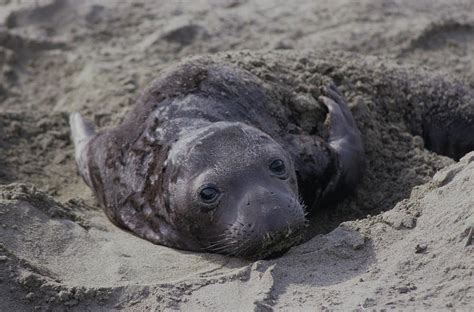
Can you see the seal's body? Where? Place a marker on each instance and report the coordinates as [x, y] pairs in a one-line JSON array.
[[206, 161]]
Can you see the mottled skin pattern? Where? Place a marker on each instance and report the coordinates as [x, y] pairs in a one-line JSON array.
[[207, 124]]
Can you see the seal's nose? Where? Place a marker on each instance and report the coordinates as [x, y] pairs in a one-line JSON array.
[[273, 210]]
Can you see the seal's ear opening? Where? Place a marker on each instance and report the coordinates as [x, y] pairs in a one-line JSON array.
[[82, 131]]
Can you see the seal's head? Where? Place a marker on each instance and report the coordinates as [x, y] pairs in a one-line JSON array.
[[233, 190]]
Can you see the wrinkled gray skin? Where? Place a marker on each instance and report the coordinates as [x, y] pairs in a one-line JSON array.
[[205, 124]]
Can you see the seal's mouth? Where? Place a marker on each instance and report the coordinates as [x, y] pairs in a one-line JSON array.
[[270, 245], [276, 243]]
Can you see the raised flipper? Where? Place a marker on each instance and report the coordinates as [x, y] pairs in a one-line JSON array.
[[344, 138], [82, 131]]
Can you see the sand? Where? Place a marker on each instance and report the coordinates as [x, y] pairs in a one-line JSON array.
[[402, 241]]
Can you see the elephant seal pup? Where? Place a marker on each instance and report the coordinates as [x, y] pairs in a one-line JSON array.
[[205, 161]]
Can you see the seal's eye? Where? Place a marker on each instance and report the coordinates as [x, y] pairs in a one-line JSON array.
[[209, 194], [278, 167]]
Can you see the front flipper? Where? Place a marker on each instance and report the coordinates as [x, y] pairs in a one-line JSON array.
[[344, 138]]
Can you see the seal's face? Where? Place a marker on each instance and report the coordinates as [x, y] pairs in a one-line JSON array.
[[235, 192]]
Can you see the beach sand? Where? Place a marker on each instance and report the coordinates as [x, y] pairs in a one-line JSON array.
[[403, 240]]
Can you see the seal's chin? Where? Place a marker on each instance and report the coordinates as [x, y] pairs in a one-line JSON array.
[[275, 244], [265, 246]]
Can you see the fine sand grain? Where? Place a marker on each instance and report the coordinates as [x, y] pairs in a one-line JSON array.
[[404, 240]]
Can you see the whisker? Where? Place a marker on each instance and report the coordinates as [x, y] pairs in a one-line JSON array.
[[234, 251], [244, 248], [216, 244], [225, 246], [222, 243]]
